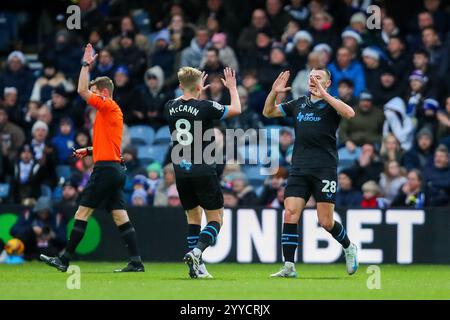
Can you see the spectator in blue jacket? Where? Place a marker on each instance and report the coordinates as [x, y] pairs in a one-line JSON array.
[[64, 141], [437, 178], [346, 67], [346, 195], [42, 231]]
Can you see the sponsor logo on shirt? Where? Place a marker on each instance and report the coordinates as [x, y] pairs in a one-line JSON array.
[[308, 117]]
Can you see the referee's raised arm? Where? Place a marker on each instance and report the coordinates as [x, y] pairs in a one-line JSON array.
[[271, 110], [83, 80]]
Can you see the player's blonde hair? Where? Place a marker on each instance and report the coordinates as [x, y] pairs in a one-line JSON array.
[[189, 78]]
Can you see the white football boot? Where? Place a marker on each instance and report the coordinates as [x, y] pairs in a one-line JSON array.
[[288, 271], [351, 258], [202, 272]]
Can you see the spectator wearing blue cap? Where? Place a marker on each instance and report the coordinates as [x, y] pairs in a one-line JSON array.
[[346, 67], [416, 92], [163, 55], [426, 115]]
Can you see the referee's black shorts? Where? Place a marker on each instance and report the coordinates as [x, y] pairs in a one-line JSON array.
[[105, 187], [203, 191], [319, 182]]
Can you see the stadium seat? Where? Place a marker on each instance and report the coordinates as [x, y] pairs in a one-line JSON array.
[[347, 158], [141, 135], [63, 171], [162, 136], [149, 154], [4, 190], [254, 176]]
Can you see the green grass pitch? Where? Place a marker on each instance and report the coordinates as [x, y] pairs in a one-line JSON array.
[[232, 281]]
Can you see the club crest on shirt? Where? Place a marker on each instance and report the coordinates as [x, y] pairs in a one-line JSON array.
[[308, 117], [186, 165]]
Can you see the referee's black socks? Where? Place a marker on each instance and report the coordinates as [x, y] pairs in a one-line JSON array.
[[129, 237], [338, 232], [208, 236], [76, 235], [193, 235], [289, 241]]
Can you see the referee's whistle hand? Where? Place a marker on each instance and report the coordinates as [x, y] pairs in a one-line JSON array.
[[80, 153]]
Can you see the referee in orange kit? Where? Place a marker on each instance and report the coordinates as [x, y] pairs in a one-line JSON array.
[[105, 186]]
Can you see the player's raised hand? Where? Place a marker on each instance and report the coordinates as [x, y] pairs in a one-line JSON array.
[[279, 86], [230, 78], [316, 87], [89, 55], [202, 84]]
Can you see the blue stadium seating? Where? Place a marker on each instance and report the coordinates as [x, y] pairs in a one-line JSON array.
[[149, 154], [162, 136], [141, 135], [4, 190], [346, 159], [253, 173]]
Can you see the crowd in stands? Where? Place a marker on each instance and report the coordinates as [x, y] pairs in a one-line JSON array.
[[394, 152]]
